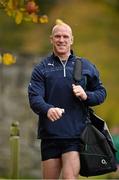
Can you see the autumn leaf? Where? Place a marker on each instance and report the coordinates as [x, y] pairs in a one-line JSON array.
[[10, 4], [34, 18], [43, 19], [18, 17], [8, 59]]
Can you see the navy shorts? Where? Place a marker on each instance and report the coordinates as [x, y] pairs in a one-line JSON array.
[[54, 148]]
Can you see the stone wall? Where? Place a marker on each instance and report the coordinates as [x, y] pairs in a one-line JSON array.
[[14, 106]]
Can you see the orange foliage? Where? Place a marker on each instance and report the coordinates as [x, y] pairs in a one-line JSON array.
[[22, 10]]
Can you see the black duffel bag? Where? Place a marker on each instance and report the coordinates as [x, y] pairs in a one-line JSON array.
[[98, 156]]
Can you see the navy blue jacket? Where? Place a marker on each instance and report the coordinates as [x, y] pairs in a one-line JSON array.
[[51, 86]]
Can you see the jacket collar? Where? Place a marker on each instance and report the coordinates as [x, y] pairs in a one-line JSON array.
[[57, 58]]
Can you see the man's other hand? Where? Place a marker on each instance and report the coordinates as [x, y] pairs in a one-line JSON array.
[[54, 114]]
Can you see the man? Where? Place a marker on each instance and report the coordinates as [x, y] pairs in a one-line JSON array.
[[54, 96]]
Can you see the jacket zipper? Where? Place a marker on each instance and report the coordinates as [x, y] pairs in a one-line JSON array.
[[64, 67]]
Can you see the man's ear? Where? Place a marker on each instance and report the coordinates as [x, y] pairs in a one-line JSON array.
[[72, 40], [51, 39]]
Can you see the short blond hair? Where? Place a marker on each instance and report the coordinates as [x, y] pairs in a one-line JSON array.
[[61, 23]]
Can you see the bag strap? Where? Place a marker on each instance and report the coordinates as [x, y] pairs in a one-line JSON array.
[[77, 75], [77, 72]]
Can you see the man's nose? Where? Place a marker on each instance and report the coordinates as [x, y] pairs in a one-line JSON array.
[[61, 39]]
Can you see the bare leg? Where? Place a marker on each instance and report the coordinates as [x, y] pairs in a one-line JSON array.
[[51, 169], [71, 165]]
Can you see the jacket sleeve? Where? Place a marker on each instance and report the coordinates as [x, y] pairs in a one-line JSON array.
[[36, 91], [95, 90]]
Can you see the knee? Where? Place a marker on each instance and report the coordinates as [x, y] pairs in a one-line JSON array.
[[69, 175]]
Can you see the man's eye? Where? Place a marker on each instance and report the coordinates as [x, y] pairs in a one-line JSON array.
[[57, 36], [65, 37]]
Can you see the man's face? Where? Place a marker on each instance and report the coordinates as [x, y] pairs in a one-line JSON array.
[[62, 40]]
